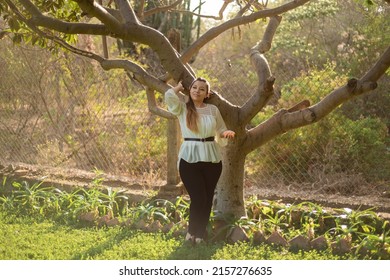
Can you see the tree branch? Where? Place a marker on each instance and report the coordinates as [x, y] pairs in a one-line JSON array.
[[138, 73], [141, 8], [94, 9], [216, 31], [220, 13], [127, 11], [285, 120], [264, 45], [142, 14], [132, 32], [156, 10], [153, 107], [53, 38], [265, 81], [38, 19], [379, 68]]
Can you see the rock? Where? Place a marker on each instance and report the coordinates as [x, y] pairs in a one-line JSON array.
[[320, 243], [113, 222], [386, 194], [127, 223], [341, 247], [102, 221], [276, 239], [295, 217], [219, 224], [361, 251], [258, 237], [179, 232], [299, 243], [89, 217], [141, 224], [155, 226], [238, 234], [167, 227]]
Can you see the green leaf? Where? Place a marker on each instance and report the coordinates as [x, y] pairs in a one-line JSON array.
[[14, 24]]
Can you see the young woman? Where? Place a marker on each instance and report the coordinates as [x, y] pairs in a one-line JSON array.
[[200, 166]]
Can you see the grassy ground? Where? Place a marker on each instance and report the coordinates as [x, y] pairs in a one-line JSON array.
[[43, 223], [25, 239]]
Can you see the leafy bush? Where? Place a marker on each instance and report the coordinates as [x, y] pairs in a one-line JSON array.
[[336, 144]]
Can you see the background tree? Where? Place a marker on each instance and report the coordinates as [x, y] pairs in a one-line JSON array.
[[48, 23]]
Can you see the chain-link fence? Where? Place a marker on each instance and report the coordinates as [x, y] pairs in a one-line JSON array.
[[67, 112], [64, 111]]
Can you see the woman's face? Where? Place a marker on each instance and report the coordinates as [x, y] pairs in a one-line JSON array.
[[199, 91]]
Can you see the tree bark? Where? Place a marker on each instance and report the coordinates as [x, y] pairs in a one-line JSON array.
[[229, 194]]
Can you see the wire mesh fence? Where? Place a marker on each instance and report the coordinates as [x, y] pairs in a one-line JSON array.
[[64, 111], [67, 112]]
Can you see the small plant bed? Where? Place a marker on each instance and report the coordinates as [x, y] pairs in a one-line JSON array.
[[46, 223]]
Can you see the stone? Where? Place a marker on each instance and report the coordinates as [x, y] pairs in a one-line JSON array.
[[276, 239], [258, 237], [299, 243], [238, 234], [341, 247], [320, 243]]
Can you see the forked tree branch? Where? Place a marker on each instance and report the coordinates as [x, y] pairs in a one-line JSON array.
[[285, 120], [216, 31], [265, 80], [40, 20], [154, 108], [92, 8], [127, 11]]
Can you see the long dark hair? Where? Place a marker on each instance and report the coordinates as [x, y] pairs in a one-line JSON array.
[[192, 114]]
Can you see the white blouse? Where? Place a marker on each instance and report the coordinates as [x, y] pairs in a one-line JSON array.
[[210, 124]]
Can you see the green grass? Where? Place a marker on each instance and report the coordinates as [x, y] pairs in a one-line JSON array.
[[25, 239], [45, 223]]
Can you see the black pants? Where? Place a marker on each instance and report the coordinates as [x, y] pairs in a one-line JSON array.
[[200, 180]]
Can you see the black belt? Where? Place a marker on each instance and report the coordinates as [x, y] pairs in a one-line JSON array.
[[208, 139]]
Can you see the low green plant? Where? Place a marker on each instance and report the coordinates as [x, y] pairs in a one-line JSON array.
[[363, 230], [34, 199]]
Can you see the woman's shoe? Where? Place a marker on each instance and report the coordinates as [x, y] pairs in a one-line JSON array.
[[189, 239], [198, 241]]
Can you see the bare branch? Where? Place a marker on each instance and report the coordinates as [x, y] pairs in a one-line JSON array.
[[94, 9], [51, 37], [38, 19], [140, 12], [216, 31], [265, 44], [162, 9], [153, 107], [132, 32], [138, 73], [302, 115], [220, 13], [126, 11], [379, 68], [285, 120], [265, 81]]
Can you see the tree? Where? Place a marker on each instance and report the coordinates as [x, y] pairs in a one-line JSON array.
[[46, 22]]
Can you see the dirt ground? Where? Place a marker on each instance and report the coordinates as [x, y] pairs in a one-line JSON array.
[[335, 192]]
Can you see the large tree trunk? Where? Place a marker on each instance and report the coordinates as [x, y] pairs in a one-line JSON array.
[[229, 195]]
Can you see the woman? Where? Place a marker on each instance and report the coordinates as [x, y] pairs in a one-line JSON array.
[[199, 164]]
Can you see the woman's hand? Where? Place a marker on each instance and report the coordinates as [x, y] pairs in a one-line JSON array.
[[228, 134], [178, 87]]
